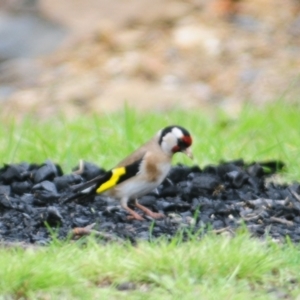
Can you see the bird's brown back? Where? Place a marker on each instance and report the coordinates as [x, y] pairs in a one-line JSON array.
[[138, 154]]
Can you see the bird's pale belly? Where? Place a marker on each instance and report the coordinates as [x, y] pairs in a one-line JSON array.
[[134, 190], [138, 187]]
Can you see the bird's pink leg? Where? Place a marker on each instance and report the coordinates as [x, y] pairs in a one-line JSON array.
[[133, 214], [148, 212]]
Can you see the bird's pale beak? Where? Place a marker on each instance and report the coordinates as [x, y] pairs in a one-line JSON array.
[[188, 152]]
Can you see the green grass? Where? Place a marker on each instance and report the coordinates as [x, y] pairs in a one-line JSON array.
[[255, 134], [215, 267]]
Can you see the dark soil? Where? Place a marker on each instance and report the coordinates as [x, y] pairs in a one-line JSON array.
[[221, 198]]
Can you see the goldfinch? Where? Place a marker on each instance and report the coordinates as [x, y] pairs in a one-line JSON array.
[[141, 172]]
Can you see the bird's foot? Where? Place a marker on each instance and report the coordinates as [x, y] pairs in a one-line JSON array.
[[149, 212], [155, 215], [135, 217]]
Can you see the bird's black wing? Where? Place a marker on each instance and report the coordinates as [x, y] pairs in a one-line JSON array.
[[104, 182]]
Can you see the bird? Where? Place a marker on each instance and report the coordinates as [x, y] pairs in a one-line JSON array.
[[140, 172]]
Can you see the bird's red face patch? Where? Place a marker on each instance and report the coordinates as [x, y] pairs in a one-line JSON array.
[[176, 149], [183, 143], [187, 140]]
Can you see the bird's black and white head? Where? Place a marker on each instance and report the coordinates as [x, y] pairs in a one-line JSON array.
[[174, 139]]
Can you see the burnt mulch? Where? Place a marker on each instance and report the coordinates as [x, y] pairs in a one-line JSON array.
[[218, 197]]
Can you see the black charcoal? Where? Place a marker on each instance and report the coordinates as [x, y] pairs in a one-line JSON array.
[[219, 198], [46, 172]]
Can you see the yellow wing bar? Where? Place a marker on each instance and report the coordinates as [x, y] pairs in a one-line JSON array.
[[112, 181]]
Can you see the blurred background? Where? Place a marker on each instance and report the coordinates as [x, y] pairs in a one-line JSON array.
[[79, 56]]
